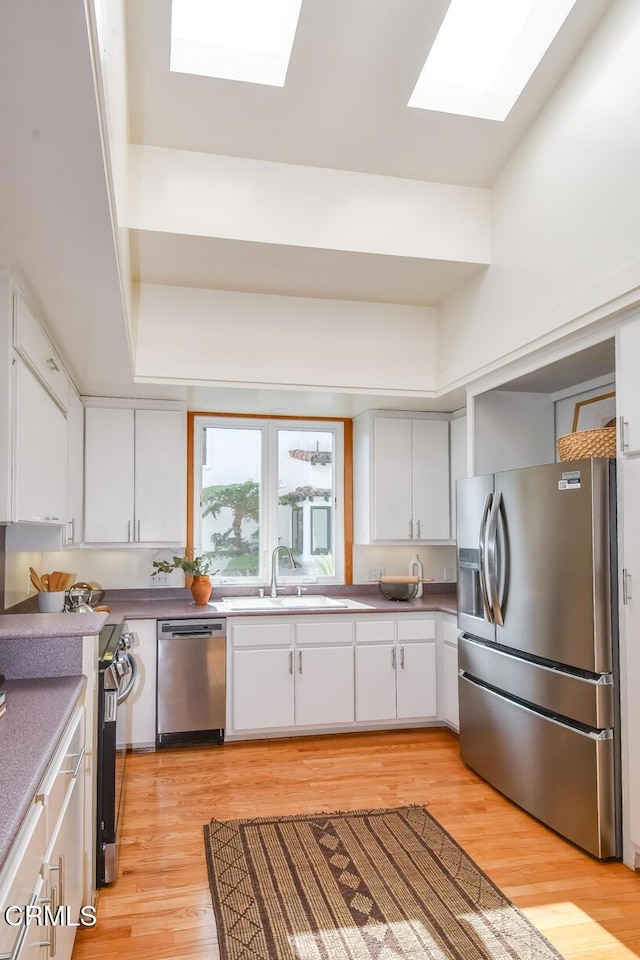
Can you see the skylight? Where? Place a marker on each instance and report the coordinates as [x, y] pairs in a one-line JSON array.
[[485, 53], [247, 40]]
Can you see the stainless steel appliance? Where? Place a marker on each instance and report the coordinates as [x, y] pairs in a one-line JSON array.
[[117, 674], [191, 699], [538, 661]]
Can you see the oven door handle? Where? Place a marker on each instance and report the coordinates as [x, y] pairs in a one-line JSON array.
[[124, 693]]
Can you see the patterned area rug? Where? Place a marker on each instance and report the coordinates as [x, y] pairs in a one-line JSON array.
[[364, 885]]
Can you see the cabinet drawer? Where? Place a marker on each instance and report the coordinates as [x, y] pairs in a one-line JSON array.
[[374, 631], [21, 871], [450, 631], [262, 635], [66, 761], [328, 632], [32, 343], [416, 629]]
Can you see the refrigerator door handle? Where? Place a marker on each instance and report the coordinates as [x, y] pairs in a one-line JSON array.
[[488, 612], [492, 558]]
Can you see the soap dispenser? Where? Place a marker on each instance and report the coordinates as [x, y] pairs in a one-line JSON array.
[[417, 570]]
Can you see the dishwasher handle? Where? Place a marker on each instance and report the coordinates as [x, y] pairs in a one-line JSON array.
[[174, 629]]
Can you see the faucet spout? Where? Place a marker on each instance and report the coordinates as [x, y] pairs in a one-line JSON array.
[[273, 592]]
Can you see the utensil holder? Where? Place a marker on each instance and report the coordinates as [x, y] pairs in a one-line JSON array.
[[51, 602]]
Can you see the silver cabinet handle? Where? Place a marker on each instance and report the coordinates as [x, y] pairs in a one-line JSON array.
[[299, 661], [139, 536], [393, 658], [60, 869], [623, 443], [291, 661], [410, 529], [418, 537], [129, 531], [402, 657], [79, 757], [626, 586], [52, 364]]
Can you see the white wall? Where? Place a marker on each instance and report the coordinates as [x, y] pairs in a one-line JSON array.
[[189, 334], [565, 213], [511, 430]]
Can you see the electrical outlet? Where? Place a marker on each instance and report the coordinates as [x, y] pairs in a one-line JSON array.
[[374, 573], [448, 573], [158, 579]]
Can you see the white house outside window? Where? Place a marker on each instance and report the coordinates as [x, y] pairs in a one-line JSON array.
[[260, 484]]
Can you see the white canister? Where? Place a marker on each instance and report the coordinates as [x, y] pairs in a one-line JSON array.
[[417, 570], [51, 602]]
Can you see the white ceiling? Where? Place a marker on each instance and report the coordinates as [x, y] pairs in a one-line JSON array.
[[343, 106]]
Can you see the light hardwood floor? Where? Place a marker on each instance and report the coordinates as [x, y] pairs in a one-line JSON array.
[[160, 906]]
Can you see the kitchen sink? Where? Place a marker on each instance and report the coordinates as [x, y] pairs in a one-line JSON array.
[[273, 604]]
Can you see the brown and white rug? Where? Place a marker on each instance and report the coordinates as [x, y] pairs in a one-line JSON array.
[[361, 885]]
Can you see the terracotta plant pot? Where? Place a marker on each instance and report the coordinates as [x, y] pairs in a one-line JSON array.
[[201, 590]]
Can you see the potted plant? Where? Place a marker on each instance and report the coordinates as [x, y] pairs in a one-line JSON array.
[[199, 568]]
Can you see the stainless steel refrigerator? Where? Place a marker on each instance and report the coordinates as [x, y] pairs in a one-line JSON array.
[[538, 679]]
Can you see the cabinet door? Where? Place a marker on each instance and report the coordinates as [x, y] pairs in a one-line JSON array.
[[416, 680], [160, 476], [75, 469], [430, 480], [376, 682], [392, 479], [630, 630], [109, 465], [324, 685], [627, 385], [141, 731], [262, 689], [40, 492], [450, 711], [64, 867]]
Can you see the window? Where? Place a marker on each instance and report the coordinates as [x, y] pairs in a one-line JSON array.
[[261, 483]]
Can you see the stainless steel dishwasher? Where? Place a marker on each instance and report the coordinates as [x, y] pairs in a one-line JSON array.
[[191, 688]]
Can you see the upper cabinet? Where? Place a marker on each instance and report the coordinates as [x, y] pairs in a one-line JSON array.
[[627, 386], [135, 475], [33, 422], [458, 438], [401, 478]]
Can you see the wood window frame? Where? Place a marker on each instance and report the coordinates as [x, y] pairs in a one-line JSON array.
[[347, 426]]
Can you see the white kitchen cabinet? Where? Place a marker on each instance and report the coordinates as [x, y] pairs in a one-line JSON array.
[[629, 646], [63, 860], [396, 678], [449, 680], [35, 348], [135, 475], [40, 452], [324, 685], [401, 478], [263, 689], [75, 469], [627, 386], [141, 730]]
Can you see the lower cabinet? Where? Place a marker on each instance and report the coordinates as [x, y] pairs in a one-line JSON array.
[[287, 676], [449, 680], [396, 670]]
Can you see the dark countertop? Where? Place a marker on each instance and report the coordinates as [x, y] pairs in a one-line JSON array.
[[35, 626], [37, 713], [167, 609]]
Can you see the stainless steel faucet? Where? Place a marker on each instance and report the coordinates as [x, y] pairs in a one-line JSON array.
[[274, 566]]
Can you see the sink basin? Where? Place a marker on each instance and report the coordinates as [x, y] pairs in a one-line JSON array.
[[272, 604], [306, 603]]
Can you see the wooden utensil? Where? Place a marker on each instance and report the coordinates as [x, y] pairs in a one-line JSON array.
[[44, 579], [54, 580], [36, 581]]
